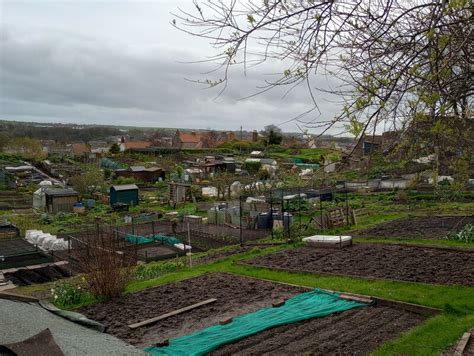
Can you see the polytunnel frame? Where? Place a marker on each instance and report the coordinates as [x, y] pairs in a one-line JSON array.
[[279, 193]]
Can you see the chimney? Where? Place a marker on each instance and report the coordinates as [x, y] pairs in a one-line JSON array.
[[254, 136]]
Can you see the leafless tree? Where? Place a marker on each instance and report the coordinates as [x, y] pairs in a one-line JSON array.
[[398, 61], [108, 270]]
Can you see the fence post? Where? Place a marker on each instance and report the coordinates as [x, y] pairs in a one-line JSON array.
[[241, 235], [271, 211], [347, 209], [321, 211], [299, 205], [136, 248], [153, 229]]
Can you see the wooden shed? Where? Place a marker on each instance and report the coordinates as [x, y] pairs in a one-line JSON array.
[[142, 174], [60, 200], [127, 194]]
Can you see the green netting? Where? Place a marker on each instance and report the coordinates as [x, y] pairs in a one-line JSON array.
[[135, 239], [142, 240], [314, 304], [168, 240]]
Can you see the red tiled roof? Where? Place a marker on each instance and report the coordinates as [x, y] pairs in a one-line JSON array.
[[190, 138]]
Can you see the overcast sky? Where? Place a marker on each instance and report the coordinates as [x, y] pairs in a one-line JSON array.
[[110, 62]]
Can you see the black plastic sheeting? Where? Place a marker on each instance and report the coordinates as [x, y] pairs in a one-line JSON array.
[[25, 276]]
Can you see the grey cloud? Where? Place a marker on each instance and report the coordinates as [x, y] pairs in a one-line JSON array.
[[80, 79]]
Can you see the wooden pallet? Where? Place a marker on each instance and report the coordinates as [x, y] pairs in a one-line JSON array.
[[337, 217]]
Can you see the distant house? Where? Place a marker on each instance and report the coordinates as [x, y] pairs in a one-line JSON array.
[[369, 144], [188, 140], [99, 147], [127, 194], [196, 140], [129, 145], [142, 174], [79, 150], [60, 200]]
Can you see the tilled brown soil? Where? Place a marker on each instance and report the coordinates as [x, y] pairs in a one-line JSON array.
[[423, 227], [357, 331], [381, 261], [235, 295], [353, 332]]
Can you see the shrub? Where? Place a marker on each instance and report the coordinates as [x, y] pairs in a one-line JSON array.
[[108, 270], [252, 166], [66, 295], [124, 180]]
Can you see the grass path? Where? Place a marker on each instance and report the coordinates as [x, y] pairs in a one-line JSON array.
[[430, 338]]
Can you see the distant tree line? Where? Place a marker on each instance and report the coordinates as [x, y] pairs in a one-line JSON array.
[[58, 132]]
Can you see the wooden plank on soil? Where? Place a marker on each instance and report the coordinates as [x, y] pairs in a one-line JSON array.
[[174, 312], [414, 308], [462, 344], [356, 298]]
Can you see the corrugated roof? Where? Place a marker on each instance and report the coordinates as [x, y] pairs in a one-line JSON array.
[[137, 168], [60, 192], [125, 187]]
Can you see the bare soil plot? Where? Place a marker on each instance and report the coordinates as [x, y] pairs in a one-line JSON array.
[[423, 227], [361, 330], [380, 261], [353, 332]]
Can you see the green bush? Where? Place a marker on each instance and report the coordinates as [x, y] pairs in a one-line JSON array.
[[252, 166], [124, 180]]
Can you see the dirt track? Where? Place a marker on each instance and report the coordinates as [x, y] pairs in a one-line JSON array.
[[356, 331], [426, 227], [395, 262]]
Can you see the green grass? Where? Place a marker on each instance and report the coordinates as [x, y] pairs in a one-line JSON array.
[[430, 338]]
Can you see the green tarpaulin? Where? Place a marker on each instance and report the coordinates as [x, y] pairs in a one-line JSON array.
[[314, 304], [141, 240]]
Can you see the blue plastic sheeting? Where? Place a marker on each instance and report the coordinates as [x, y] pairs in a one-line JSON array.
[[314, 304]]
